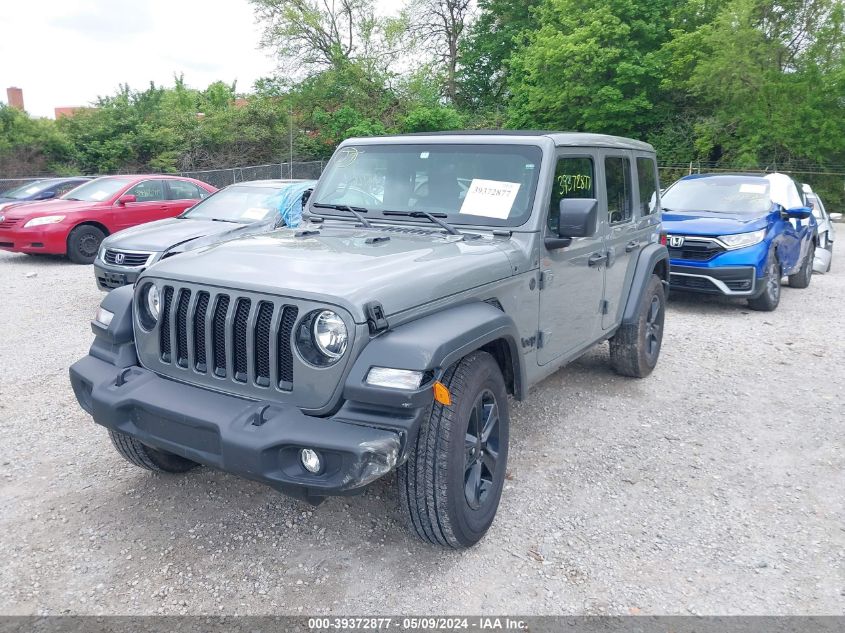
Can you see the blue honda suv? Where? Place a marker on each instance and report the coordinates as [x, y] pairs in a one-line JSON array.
[[738, 235]]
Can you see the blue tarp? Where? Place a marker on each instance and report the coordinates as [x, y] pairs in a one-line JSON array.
[[288, 202]]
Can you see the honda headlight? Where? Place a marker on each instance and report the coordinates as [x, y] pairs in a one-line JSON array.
[[741, 240], [45, 219]]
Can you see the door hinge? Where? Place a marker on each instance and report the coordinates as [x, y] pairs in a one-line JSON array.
[[542, 338], [605, 306], [546, 278]]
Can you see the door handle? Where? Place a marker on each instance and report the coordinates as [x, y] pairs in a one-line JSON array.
[[596, 259], [632, 246]]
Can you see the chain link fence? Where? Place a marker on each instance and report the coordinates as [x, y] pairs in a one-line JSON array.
[[303, 170]]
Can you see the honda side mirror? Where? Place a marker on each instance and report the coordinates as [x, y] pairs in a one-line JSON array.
[[124, 200], [799, 213], [577, 217]]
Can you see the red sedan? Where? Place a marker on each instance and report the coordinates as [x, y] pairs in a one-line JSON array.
[[75, 224]]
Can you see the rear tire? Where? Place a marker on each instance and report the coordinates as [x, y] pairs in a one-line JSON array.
[[802, 278], [83, 243], [149, 458], [450, 487], [635, 347], [769, 299]]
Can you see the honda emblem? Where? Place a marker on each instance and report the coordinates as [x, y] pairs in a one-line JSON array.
[[676, 241], [119, 258]]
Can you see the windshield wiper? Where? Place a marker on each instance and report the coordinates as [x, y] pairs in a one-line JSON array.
[[429, 216], [345, 207]]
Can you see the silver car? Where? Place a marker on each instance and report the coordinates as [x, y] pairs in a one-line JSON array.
[[826, 231]]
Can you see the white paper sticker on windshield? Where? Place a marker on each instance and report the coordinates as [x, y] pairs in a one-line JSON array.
[[490, 198], [255, 213], [749, 188], [31, 190], [99, 195]]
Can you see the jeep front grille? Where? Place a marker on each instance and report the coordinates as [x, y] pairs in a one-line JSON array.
[[241, 333]]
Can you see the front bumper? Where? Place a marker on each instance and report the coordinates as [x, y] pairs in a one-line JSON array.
[[256, 440], [110, 277], [731, 281], [49, 239]]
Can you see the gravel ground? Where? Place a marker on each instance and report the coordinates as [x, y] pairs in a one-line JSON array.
[[715, 486]]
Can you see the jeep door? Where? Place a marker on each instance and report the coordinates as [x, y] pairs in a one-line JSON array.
[[622, 236], [571, 285]]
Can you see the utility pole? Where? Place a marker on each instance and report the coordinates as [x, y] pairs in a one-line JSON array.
[[290, 142]]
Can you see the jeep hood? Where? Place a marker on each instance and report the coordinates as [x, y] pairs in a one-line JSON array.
[[708, 223], [338, 266], [163, 234]]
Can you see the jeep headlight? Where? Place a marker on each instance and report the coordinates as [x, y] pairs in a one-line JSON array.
[[330, 334], [322, 338], [741, 240], [149, 305]]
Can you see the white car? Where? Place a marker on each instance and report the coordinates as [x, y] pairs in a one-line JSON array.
[[826, 231]]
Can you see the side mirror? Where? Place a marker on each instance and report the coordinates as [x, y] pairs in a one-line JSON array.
[[799, 213], [123, 200], [836, 217], [577, 217]]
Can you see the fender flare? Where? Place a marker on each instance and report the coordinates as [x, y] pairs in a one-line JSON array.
[[649, 260], [433, 343], [115, 344]]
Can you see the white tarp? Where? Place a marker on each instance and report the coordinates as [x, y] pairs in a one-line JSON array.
[[783, 191]]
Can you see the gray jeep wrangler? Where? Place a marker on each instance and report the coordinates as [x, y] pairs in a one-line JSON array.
[[434, 275]]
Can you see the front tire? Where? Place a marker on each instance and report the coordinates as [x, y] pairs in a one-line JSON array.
[[635, 347], [450, 487], [802, 278], [149, 458], [769, 299], [83, 243]]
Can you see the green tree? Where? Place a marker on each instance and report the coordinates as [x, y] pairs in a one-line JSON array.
[[486, 51], [593, 67]]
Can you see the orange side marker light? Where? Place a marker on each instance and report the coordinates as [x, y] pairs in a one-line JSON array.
[[441, 394]]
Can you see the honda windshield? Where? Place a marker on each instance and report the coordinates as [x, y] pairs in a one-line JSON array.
[[464, 184], [741, 195], [237, 203]]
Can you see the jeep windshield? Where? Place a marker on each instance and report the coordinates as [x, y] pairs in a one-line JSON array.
[[738, 195], [461, 183]]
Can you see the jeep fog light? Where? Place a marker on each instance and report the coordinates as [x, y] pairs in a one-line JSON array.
[[394, 378], [310, 460], [103, 317]]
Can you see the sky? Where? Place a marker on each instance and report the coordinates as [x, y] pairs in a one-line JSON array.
[[69, 52]]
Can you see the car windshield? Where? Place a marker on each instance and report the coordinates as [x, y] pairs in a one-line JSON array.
[[719, 194], [467, 184], [237, 203], [97, 190], [27, 190]]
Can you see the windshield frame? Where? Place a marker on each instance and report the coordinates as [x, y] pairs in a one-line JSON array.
[[543, 147], [739, 179]]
